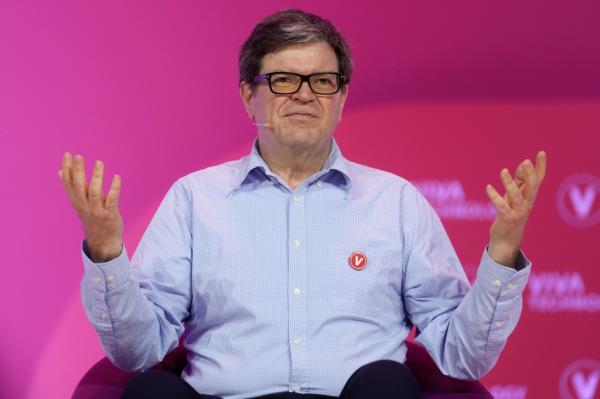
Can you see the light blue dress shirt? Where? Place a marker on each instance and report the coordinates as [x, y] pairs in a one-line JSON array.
[[258, 279]]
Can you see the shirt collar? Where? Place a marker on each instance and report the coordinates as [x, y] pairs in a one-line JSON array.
[[335, 167]]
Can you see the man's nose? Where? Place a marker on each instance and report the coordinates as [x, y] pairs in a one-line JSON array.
[[305, 93]]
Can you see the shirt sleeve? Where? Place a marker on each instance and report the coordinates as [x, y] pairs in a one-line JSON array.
[[138, 308], [463, 328]]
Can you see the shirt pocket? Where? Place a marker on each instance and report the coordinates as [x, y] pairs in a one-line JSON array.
[[365, 280]]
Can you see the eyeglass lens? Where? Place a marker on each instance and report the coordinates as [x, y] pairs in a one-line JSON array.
[[287, 83]]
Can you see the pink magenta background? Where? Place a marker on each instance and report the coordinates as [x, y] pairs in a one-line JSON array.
[[444, 92]]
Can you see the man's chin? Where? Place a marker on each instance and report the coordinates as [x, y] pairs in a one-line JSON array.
[[303, 137]]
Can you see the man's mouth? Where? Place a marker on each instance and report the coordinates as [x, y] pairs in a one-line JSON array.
[[301, 115]]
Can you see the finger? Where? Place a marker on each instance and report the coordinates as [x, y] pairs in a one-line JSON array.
[[528, 188], [60, 176], [95, 187], [520, 174], [532, 183], [79, 181], [498, 201], [112, 198], [65, 171], [66, 174], [512, 190], [541, 161]]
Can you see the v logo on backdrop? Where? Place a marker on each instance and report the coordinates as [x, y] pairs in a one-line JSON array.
[[582, 201], [585, 387]]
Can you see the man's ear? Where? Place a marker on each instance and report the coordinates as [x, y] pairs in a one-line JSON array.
[[246, 95], [344, 95]]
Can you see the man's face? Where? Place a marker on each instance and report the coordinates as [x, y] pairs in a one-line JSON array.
[[303, 119]]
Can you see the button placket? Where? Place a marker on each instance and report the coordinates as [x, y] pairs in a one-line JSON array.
[[296, 388], [296, 284]]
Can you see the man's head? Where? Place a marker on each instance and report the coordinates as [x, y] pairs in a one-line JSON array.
[[290, 27], [300, 43]]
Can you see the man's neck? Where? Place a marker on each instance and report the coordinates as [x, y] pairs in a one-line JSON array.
[[295, 165]]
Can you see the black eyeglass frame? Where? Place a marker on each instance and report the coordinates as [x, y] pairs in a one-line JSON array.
[[341, 80]]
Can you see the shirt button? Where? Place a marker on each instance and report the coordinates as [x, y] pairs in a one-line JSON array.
[[296, 198], [498, 324], [296, 243], [110, 278], [98, 280], [319, 183], [496, 283], [509, 286], [296, 291], [103, 316], [296, 341]]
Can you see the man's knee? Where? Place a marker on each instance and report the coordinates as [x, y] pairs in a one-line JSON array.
[[382, 379]]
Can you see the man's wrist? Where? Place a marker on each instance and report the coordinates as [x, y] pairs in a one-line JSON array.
[[102, 254], [503, 254]]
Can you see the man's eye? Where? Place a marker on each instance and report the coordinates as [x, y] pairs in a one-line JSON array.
[[325, 81], [283, 79]]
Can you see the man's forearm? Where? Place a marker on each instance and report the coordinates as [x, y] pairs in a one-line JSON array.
[[124, 319]]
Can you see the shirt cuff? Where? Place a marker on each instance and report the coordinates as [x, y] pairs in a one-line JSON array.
[[502, 279], [105, 276]]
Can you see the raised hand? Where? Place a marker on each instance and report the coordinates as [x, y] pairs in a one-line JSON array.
[[99, 215], [507, 230]]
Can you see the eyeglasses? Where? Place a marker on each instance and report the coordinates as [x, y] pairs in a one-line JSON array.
[[290, 83]]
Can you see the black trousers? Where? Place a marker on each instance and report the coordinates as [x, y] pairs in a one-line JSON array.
[[383, 379]]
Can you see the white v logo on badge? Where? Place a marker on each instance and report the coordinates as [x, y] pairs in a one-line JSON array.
[[585, 387], [357, 260], [582, 201]]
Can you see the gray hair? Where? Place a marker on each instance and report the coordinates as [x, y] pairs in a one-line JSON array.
[[288, 27]]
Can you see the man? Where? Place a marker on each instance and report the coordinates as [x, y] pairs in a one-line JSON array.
[[294, 272]]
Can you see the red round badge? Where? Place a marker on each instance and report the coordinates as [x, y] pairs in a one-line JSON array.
[[357, 260]]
